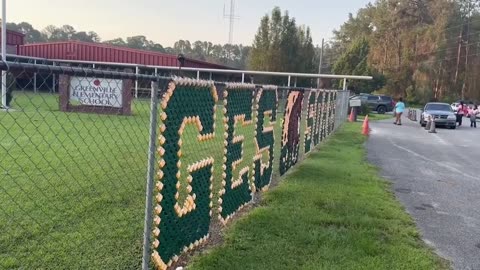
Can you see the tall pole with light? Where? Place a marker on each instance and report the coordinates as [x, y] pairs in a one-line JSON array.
[[4, 52]]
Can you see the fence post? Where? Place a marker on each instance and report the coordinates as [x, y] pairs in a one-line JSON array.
[[150, 176], [345, 106], [35, 78], [337, 111], [4, 53], [53, 81], [344, 102], [342, 112], [136, 82]]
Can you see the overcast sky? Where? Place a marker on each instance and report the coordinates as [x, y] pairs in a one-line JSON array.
[[167, 21]]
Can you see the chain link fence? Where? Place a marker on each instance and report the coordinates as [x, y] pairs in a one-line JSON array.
[[101, 168]]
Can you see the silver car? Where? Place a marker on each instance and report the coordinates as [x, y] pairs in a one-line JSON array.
[[442, 113]]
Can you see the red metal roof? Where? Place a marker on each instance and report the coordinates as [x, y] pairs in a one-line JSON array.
[[14, 38], [99, 52]]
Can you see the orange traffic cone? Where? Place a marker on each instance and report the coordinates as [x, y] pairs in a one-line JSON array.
[[352, 117], [365, 127]]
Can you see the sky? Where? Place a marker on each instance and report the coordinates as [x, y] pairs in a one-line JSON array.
[[168, 21]]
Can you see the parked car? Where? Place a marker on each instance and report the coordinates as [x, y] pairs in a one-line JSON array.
[[442, 114], [380, 104]]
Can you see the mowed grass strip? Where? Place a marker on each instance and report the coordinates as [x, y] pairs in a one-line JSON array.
[[332, 212], [376, 117]]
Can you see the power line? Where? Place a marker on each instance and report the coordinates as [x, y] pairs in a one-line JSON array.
[[446, 49], [451, 58], [436, 60], [434, 52], [471, 21], [476, 32], [444, 30]]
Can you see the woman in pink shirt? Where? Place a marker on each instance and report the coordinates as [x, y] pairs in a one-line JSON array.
[[460, 113]]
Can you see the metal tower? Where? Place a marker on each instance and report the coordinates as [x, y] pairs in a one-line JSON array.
[[232, 17]]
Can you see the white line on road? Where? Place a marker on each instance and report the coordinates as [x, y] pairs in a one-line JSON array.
[[440, 140], [440, 164]]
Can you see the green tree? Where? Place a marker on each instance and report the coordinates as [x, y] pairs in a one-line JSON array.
[[198, 51], [138, 42], [281, 45], [86, 37], [116, 42], [68, 32], [355, 62], [259, 58], [422, 47], [32, 35], [358, 26], [183, 46], [156, 47]]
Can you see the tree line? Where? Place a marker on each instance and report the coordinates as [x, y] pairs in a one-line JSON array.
[[234, 55], [280, 45], [420, 49]]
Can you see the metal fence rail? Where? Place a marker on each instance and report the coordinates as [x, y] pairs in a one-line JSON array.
[[92, 177], [198, 73]]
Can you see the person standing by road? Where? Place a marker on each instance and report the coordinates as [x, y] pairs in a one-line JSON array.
[[460, 113], [399, 109], [473, 116]]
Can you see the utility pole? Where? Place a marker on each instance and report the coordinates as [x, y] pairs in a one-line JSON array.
[[460, 41], [465, 82], [321, 63]]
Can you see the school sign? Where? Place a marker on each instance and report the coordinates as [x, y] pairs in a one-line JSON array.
[[96, 92], [95, 95]]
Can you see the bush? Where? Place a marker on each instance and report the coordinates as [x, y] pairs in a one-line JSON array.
[[364, 109]]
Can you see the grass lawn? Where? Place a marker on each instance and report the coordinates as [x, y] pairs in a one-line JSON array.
[[376, 117], [72, 185], [332, 212]]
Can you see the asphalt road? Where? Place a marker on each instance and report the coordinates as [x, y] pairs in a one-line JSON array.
[[436, 177]]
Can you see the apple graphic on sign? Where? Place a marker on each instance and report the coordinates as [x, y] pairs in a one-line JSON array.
[[96, 82]]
